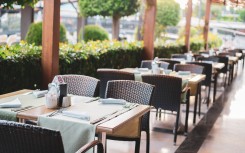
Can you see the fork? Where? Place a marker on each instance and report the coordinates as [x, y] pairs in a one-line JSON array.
[[55, 112]]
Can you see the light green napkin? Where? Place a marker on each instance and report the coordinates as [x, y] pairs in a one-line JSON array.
[[75, 134], [8, 115], [183, 95]]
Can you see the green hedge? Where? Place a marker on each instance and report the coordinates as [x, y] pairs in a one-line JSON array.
[[34, 34], [93, 33], [20, 65]]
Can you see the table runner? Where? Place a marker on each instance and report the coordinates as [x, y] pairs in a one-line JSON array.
[[26, 100], [75, 133]]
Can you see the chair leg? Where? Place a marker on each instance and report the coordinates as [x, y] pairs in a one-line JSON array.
[[137, 146], [208, 100], [147, 141], [200, 99], [187, 112], [176, 126], [156, 112]]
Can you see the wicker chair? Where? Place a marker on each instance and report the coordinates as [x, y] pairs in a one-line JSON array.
[[81, 85], [228, 68], [134, 92], [164, 65], [167, 96], [171, 63], [146, 64], [208, 79], [106, 75], [179, 56], [195, 89], [210, 58], [24, 138], [189, 67]]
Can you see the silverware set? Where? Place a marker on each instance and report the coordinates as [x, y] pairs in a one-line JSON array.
[[56, 112]]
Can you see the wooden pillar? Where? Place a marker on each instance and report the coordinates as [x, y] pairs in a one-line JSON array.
[[50, 41], [80, 24], [27, 16], [149, 28], [206, 26], [188, 25]]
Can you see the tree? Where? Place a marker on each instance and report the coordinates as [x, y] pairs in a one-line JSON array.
[[168, 14], [34, 34], [9, 3], [114, 8], [242, 15]]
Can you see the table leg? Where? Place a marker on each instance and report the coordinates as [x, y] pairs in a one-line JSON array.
[[195, 104], [102, 139], [215, 85]]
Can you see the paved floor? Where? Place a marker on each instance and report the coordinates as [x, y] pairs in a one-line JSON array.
[[217, 129]]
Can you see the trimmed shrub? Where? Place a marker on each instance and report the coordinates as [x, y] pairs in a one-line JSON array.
[[93, 33], [34, 34]]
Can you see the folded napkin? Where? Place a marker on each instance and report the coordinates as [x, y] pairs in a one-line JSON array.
[[40, 94], [77, 114], [143, 69], [12, 104], [167, 71], [113, 101], [184, 73]]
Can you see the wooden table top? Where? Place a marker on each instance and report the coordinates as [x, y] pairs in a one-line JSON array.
[[109, 127]]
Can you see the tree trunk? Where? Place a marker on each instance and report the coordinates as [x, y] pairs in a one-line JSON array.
[[27, 17], [115, 27]]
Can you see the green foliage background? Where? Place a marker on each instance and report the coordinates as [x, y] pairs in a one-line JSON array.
[[94, 32], [117, 8], [34, 34]]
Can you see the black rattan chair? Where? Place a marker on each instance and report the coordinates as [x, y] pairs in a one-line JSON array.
[[146, 64], [24, 138], [171, 62], [208, 79], [106, 75], [134, 92], [163, 64], [183, 56], [189, 67], [81, 85], [167, 96], [194, 92]]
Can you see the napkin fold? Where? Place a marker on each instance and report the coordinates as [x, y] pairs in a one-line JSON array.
[[12, 104], [77, 114], [113, 101], [40, 94], [143, 69], [184, 73]]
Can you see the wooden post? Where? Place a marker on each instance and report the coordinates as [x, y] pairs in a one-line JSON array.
[[50, 41], [206, 26], [80, 24], [149, 28], [188, 25], [27, 16]]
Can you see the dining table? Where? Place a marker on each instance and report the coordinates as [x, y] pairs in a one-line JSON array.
[[107, 119], [194, 82]]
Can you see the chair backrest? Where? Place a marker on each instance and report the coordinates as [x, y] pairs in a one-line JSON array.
[[81, 85], [146, 64], [226, 54], [225, 60], [210, 58], [171, 63], [167, 93], [163, 64], [207, 71], [134, 92], [106, 75], [189, 67], [24, 138], [179, 56]]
